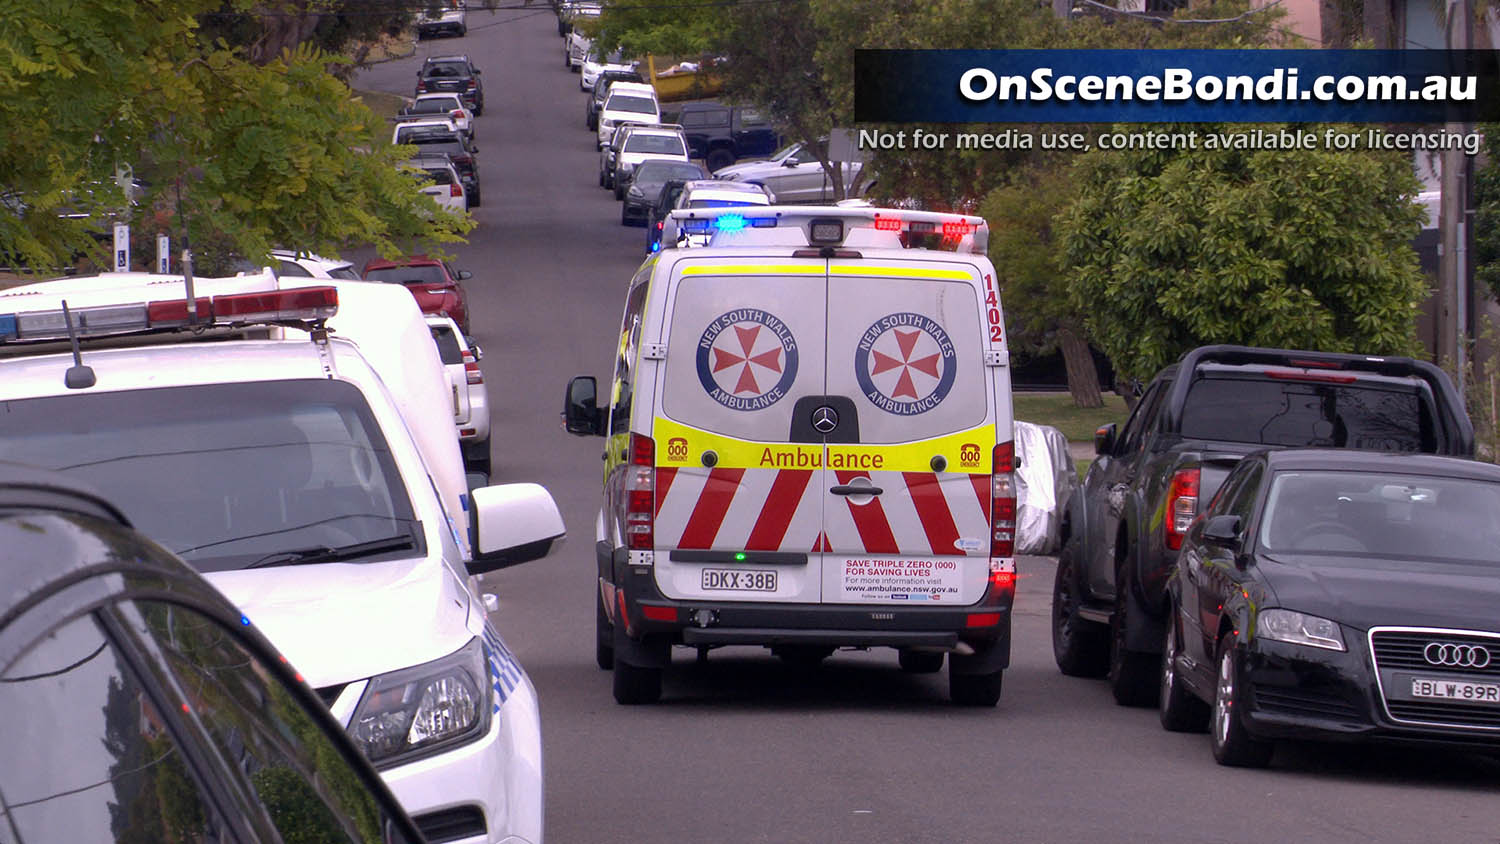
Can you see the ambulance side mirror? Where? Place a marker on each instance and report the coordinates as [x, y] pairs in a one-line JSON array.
[[513, 524], [581, 413]]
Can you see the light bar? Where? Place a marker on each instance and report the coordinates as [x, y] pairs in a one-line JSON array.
[[306, 304], [831, 225]]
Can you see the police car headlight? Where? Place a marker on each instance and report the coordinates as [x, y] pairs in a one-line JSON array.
[[426, 708]]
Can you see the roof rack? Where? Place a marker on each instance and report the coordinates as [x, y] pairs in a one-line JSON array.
[[827, 225]]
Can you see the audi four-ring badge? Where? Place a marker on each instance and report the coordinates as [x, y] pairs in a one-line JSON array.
[[1338, 595]]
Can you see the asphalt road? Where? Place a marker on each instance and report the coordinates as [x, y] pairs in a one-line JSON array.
[[742, 749]]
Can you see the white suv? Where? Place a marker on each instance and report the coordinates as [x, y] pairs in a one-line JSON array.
[[305, 473], [646, 143], [471, 398], [632, 101]]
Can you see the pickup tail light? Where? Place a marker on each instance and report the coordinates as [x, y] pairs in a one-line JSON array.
[[1182, 506], [471, 369], [455, 190], [1003, 501], [640, 494]]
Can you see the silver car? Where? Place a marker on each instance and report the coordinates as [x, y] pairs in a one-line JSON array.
[[792, 174]]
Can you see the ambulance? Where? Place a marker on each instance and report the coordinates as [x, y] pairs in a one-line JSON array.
[[808, 447]]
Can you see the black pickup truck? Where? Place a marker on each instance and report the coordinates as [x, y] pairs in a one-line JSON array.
[[1124, 524], [721, 134]]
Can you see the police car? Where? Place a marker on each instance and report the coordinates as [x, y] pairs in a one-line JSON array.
[[281, 440], [809, 446]]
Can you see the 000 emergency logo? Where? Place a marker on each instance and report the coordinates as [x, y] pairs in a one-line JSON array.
[[905, 364], [747, 359]]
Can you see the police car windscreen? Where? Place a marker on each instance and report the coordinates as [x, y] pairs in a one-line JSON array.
[[640, 105], [743, 348], [655, 144], [225, 475], [909, 351]]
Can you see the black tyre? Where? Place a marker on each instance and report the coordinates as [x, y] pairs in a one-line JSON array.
[[592, 121], [718, 159], [604, 636], [601, 178], [1132, 675], [625, 219], [1080, 646], [477, 454], [619, 188], [975, 689], [1179, 709], [921, 662], [635, 684], [463, 30], [1232, 744]]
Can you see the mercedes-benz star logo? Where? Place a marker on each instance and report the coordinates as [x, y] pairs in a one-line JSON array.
[[1457, 656], [825, 419]]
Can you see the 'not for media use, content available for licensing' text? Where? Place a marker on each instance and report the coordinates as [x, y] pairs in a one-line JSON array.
[[1179, 139]]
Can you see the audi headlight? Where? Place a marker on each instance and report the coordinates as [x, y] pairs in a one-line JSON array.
[[426, 707], [635, 191], [1299, 629]]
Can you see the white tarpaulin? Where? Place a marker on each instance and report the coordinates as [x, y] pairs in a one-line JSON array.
[[1044, 480]]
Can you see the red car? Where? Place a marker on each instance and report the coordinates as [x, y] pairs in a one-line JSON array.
[[434, 283]]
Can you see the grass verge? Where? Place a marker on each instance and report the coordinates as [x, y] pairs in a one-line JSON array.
[[385, 107], [1058, 410]]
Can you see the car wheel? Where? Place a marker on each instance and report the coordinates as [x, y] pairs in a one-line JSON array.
[[718, 159], [1080, 646], [1180, 710], [619, 187], [920, 662], [636, 684], [592, 122], [1132, 675], [477, 199], [1232, 744], [604, 635], [625, 214], [975, 689], [477, 452], [463, 30]]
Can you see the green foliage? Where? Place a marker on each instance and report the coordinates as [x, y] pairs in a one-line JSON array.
[[1297, 249], [671, 29], [1027, 258], [278, 154], [1487, 206]]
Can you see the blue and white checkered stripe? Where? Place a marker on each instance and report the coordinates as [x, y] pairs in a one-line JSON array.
[[505, 670]]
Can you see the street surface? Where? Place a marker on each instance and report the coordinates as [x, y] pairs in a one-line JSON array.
[[743, 749]]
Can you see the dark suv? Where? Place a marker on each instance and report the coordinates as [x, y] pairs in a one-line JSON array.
[[455, 74], [721, 135]]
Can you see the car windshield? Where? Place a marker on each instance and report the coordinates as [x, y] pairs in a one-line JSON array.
[[417, 274], [785, 151], [436, 105], [626, 102], [445, 70], [720, 203], [655, 144], [1383, 514], [224, 474]]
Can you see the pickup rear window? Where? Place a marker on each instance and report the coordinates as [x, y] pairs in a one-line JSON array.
[[1298, 413]]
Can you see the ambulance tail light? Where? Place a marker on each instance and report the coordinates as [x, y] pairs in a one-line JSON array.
[[1003, 501], [640, 494], [1182, 506], [471, 368]]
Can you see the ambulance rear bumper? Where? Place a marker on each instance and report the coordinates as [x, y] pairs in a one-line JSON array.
[[848, 638]]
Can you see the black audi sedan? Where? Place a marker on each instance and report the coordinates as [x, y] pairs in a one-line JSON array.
[[141, 706], [1337, 595]]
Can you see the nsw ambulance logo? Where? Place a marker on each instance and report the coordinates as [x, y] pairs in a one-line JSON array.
[[905, 364], [747, 359]]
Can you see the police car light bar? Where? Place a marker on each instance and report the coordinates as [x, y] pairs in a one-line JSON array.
[[306, 304], [830, 225]]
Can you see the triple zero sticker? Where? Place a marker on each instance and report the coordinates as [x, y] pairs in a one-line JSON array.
[[747, 359], [905, 364]]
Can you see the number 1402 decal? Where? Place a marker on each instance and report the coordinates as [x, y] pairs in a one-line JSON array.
[[992, 308]]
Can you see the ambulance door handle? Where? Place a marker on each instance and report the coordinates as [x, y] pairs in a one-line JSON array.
[[846, 489]]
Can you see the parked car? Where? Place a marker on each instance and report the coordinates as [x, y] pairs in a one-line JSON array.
[[720, 134], [576, 48], [105, 680], [599, 89], [611, 151], [793, 174], [435, 284], [449, 17], [626, 101], [1123, 528], [442, 140], [595, 64], [471, 399], [645, 184], [569, 11], [446, 106], [455, 75], [293, 263], [1338, 594], [646, 143], [441, 181], [657, 211]]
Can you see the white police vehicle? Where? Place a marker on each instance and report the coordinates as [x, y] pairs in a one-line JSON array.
[[280, 457]]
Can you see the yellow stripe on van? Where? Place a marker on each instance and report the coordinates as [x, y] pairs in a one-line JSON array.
[[910, 272], [965, 453], [752, 269]]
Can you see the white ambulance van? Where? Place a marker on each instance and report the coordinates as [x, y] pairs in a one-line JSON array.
[[808, 446]]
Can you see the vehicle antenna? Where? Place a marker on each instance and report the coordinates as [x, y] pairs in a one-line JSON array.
[[78, 376]]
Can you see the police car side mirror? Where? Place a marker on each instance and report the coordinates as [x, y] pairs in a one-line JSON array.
[[513, 524], [790, 162], [581, 414]]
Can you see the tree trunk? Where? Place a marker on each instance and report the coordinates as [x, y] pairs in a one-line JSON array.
[[1083, 379]]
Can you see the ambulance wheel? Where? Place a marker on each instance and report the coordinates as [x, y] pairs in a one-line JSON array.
[[921, 662], [975, 689], [635, 684], [604, 636]]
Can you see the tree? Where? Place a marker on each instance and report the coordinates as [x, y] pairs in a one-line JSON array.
[[250, 155], [1487, 219], [267, 28], [1167, 250]]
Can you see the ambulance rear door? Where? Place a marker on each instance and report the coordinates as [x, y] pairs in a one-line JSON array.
[[739, 495], [907, 508]]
